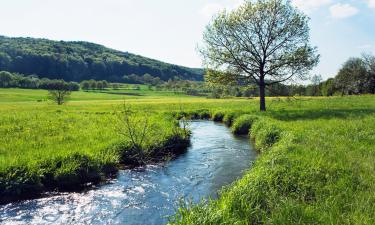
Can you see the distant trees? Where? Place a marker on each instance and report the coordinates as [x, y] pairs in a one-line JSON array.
[[328, 87], [85, 85], [5, 79], [77, 61], [15, 80], [145, 79], [357, 76], [59, 92], [316, 80], [94, 85], [263, 42]]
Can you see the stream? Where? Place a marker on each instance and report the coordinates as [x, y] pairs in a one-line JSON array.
[[150, 194]]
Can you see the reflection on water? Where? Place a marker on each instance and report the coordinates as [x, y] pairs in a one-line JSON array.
[[147, 195]]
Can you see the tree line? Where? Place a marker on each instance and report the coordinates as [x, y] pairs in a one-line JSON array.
[[16, 80], [77, 61]]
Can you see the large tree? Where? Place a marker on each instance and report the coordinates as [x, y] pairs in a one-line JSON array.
[[264, 42]]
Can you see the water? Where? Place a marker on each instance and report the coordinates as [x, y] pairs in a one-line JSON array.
[[147, 195]]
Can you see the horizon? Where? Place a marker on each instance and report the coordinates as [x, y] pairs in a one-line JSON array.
[[151, 32]]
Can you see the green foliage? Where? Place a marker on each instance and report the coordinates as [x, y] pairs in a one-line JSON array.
[[59, 92], [233, 40], [19, 181], [229, 118], [242, 124], [218, 116], [265, 134], [356, 77], [77, 61], [9, 80]]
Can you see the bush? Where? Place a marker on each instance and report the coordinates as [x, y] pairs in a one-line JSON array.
[[242, 124], [19, 182], [204, 114], [229, 118], [218, 116], [70, 172]]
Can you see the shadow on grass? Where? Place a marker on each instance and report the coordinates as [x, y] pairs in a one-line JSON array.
[[123, 93], [311, 114]]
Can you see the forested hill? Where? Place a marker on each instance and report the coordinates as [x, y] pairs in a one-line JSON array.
[[77, 61]]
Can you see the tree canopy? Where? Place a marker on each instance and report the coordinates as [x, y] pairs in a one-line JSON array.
[[77, 61], [357, 76], [263, 42]]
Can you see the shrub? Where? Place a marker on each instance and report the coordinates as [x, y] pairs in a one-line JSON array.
[[129, 155], [70, 172], [230, 117], [242, 124], [19, 182], [218, 116], [204, 114]]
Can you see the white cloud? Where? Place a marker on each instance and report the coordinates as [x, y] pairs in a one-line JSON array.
[[310, 5], [211, 9], [341, 11], [371, 3]]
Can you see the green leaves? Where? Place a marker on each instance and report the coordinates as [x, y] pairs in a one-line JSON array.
[[265, 42]]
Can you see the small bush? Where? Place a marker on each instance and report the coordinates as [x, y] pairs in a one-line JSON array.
[[229, 118], [242, 124], [19, 182], [204, 114], [70, 172], [179, 115], [218, 116]]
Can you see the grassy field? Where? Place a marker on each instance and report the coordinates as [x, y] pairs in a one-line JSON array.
[[316, 167]]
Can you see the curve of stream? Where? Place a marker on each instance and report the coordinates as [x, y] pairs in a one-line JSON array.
[[147, 195]]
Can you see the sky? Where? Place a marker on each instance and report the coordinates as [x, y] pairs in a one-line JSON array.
[[171, 30]]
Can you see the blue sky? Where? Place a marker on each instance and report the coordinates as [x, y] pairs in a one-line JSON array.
[[170, 30]]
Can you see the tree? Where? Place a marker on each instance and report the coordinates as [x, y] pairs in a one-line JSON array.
[[5, 79], [85, 85], [352, 77], [369, 61], [100, 85], [316, 80], [265, 43], [328, 87], [77, 61], [105, 84], [59, 92]]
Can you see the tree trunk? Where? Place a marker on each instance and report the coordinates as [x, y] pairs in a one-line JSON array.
[[262, 95]]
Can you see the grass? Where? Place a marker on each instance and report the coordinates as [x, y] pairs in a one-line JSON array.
[[316, 167], [47, 147], [316, 164]]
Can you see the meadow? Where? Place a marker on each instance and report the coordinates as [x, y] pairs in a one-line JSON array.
[[316, 164]]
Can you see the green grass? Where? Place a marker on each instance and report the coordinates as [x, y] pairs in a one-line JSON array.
[[45, 146], [316, 167], [316, 164]]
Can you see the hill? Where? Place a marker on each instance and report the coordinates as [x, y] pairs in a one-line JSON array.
[[77, 61]]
